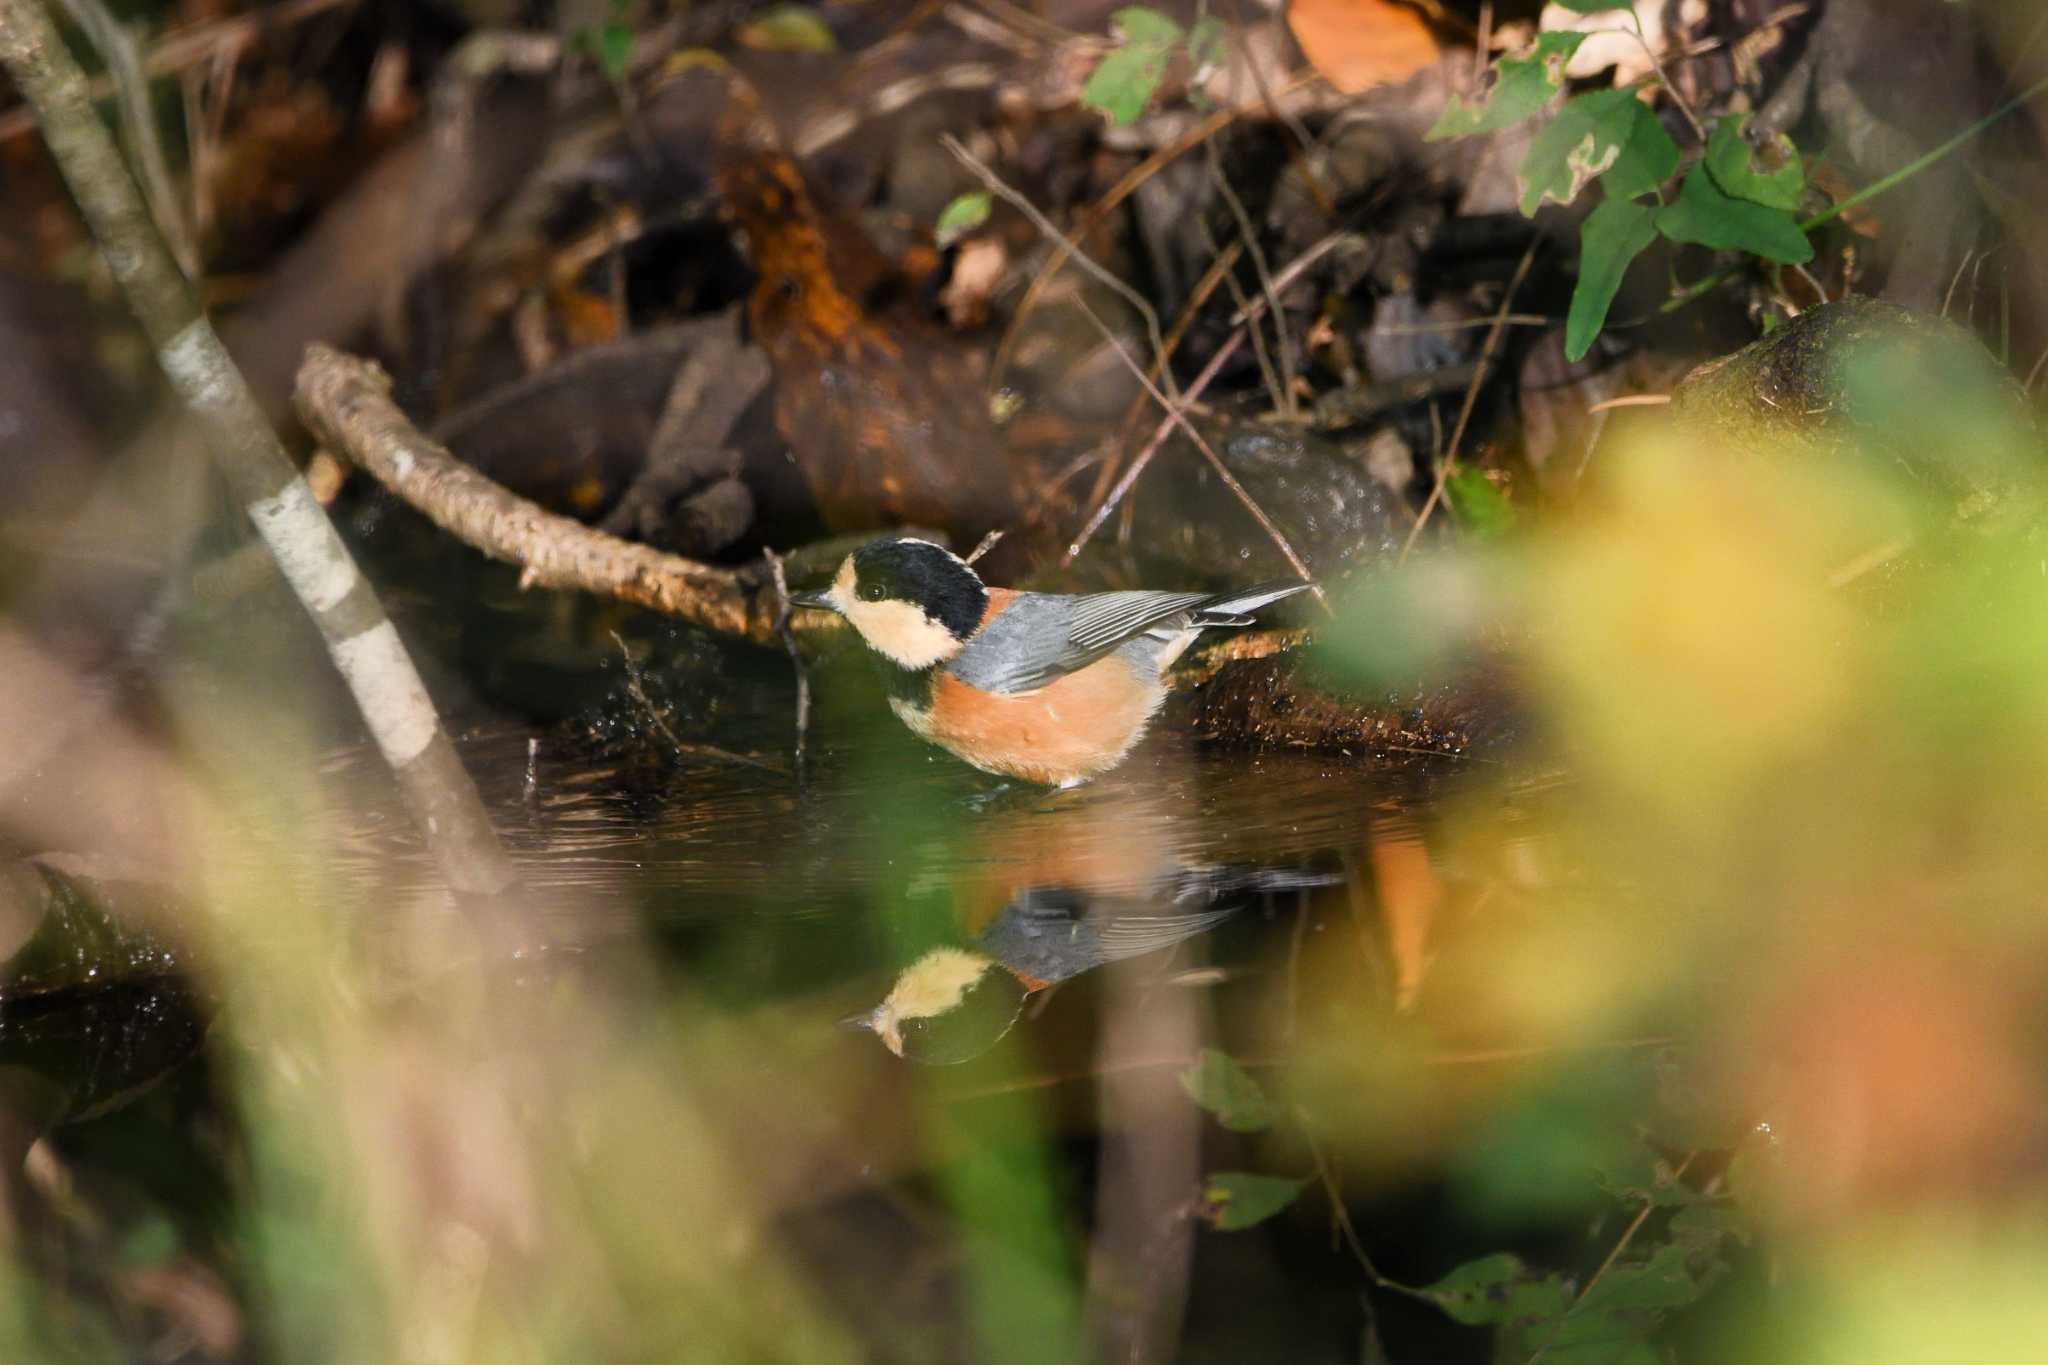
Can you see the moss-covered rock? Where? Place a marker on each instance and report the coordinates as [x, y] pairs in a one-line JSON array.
[[1868, 379]]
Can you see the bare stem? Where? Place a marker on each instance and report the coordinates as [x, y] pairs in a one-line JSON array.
[[1023, 205], [359, 637], [1238, 490], [1493, 336]]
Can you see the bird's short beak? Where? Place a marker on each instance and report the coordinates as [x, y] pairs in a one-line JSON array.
[[877, 1022], [818, 601]]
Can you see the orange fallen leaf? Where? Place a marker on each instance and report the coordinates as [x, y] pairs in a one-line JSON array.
[[1357, 44], [587, 318], [1837, 185]]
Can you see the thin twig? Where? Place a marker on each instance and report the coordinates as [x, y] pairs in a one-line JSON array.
[[1144, 456], [184, 47], [117, 48], [1282, 115], [1101, 209], [1292, 271], [1213, 276], [1023, 205], [1493, 336], [988, 542], [1630, 400], [1628, 1235], [360, 638], [636, 688], [1281, 340], [1820, 294], [1244, 496], [1287, 276], [2034, 374], [1267, 374], [796, 658], [1266, 523], [1342, 1215], [1684, 107]]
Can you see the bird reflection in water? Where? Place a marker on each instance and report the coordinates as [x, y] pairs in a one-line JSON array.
[[1059, 891]]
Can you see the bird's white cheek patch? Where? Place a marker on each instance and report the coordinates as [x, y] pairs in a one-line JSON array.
[[902, 632], [934, 983]]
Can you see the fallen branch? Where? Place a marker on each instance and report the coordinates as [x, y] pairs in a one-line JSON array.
[[346, 401]]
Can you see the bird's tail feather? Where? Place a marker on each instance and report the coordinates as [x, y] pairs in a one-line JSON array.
[[1235, 608]]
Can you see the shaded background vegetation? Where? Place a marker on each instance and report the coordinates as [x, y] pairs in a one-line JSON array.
[[1684, 1003]]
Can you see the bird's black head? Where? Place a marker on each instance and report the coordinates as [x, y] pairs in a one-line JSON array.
[[916, 571], [914, 603]]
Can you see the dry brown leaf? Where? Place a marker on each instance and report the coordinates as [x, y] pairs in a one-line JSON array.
[[1836, 183], [587, 318], [1358, 44], [1611, 43]]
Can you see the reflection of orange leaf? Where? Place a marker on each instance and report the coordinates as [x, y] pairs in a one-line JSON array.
[[1357, 44], [1409, 894]]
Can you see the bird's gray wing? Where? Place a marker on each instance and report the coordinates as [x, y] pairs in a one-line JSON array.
[[1133, 935], [1041, 637], [1053, 932]]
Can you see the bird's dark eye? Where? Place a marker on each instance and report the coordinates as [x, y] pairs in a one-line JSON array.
[[872, 592]]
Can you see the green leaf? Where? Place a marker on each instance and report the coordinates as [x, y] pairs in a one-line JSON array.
[[1585, 138], [1123, 82], [1673, 1277], [1521, 87], [966, 213], [1614, 1346], [1613, 235], [1235, 1200], [1641, 1175], [1227, 1090], [789, 28], [1733, 164], [1208, 42], [1704, 1225], [1703, 214], [1483, 510], [614, 50], [1647, 159], [1144, 25], [1497, 1288]]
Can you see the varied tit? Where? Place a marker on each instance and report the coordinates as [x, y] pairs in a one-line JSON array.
[[953, 1004], [1042, 686]]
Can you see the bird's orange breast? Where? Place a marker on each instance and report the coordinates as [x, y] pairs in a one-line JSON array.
[[1075, 727]]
